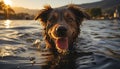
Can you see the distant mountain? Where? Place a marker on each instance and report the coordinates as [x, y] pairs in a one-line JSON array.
[[104, 4], [25, 10]]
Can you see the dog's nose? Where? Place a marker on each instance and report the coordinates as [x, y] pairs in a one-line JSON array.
[[61, 31]]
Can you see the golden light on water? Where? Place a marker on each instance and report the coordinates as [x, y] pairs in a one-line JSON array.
[[8, 2], [7, 23]]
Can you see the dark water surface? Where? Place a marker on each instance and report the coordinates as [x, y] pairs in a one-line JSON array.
[[21, 44]]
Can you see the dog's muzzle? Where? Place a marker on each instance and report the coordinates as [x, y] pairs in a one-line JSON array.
[[61, 40]]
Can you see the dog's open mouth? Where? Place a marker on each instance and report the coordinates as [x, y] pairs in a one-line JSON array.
[[62, 44]]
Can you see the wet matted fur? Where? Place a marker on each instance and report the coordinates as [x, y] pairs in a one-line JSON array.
[[61, 26]]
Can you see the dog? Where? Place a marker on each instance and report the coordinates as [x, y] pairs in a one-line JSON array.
[[61, 26]]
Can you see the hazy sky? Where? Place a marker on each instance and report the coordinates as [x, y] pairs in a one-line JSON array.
[[38, 4]]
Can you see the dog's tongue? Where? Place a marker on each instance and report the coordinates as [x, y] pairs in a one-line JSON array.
[[62, 43]]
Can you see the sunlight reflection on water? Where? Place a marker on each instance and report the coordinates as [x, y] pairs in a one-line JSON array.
[[22, 44], [7, 23]]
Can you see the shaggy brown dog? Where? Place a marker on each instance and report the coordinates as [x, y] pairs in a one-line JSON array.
[[61, 26]]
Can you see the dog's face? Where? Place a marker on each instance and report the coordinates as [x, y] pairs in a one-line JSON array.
[[62, 25]]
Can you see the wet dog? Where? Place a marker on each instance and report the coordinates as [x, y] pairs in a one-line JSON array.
[[61, 26]]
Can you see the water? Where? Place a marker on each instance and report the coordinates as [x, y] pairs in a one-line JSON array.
[[21, 44]]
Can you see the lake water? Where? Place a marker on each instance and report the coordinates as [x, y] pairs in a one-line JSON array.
[[21, 43]]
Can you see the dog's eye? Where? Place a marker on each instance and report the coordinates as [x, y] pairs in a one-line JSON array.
[[70, 19], [52, 19]]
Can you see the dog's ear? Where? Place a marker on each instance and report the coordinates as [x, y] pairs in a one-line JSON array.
[[79, 13], [43, 14]]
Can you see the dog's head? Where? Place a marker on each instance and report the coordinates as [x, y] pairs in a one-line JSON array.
[[62, 24]]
